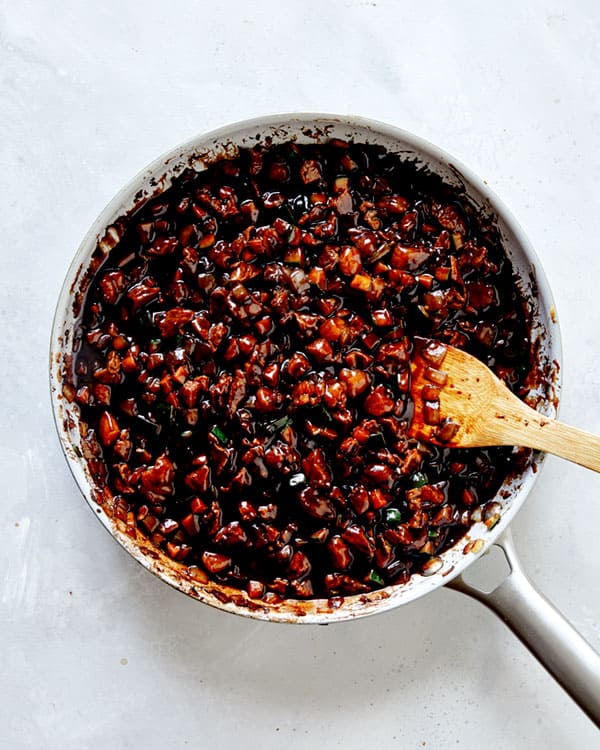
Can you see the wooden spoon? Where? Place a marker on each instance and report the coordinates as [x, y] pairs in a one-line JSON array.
[[460, 403]]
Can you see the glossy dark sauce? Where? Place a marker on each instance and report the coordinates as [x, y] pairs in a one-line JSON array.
[[290, 523]]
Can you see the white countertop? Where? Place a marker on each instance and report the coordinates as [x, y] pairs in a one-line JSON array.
[[94, 651]]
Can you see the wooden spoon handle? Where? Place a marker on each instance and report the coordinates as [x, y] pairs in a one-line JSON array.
[[527, 427], [567, 442]]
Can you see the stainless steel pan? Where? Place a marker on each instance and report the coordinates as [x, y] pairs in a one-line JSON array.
[[564, 653]]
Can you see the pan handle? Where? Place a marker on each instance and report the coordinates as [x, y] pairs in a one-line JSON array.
[[539, 625]]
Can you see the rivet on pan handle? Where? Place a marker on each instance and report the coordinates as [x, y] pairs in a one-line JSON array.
[[540, 626]]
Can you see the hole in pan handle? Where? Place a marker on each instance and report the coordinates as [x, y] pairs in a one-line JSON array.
[[540, 626]]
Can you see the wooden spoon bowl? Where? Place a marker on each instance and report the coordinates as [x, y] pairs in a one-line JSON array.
[[460, 403]]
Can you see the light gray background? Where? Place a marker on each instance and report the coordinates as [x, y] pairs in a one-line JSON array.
[[95, 652]]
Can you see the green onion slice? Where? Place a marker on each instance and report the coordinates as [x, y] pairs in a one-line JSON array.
[[220, 435]]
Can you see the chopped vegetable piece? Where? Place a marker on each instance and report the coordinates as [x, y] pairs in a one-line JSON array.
[[376, 578], [419, 479], [297, 479], [281, 423], [220, 435], [393, 516]]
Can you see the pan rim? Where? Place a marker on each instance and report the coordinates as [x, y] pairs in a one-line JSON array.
[[311, 611]]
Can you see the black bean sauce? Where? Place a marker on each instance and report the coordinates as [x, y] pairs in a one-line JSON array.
[[244, 367]]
